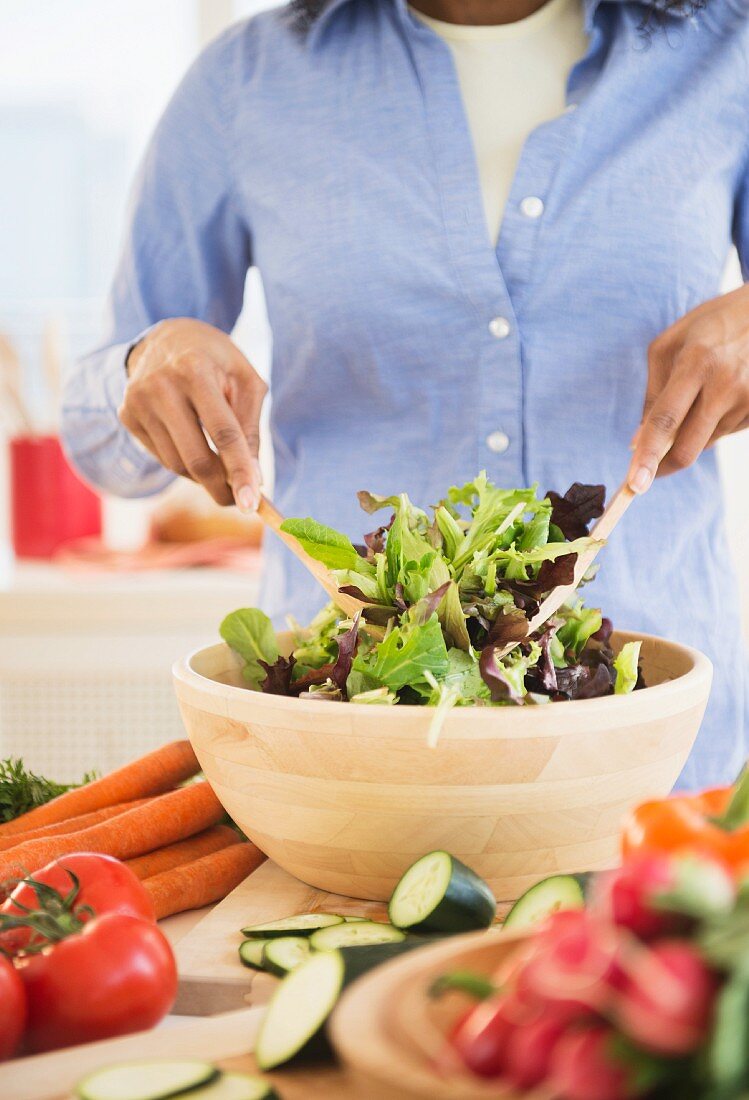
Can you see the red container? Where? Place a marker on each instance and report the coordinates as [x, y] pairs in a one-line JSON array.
[[50, 505]]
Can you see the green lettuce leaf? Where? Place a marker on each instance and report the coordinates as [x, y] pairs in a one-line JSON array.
[[626, 668], [323, 543], [403, 657], [250, 633], [580, 623]]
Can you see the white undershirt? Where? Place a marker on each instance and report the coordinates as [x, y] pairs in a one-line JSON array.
[[512, 78]]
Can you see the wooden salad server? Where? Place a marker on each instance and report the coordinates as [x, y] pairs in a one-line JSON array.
[[272, 518], [613, 512]]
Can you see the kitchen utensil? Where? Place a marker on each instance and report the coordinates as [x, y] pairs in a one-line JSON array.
[[50, 505], [270, 516], [613, 512], [386, 1028], [347, 796], [11, 397]]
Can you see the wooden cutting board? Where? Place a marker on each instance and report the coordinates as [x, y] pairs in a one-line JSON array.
[[210, 949]]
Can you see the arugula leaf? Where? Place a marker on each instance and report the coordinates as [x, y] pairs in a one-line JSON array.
[[323, 543], [250, 633], [626, 665]]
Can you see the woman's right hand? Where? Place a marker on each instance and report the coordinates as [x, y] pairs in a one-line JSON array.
[[187, 378]]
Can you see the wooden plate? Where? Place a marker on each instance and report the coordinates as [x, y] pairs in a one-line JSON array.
[[387, 1031]]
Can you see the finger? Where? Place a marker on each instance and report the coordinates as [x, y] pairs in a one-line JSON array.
[[729, 425], [247, 402], [137, 429], [660, 427], [223, 427], [167, 453], [660, 362], [199, 461], [695, 433]]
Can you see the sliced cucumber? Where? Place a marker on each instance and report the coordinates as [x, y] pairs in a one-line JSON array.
[[294, 1023], [440, 894], [303, 925], [155, 1080], [285, 953], [356, 934], [355, 920], [546, 897], [360, 960], [251, 953], [235, 1086]]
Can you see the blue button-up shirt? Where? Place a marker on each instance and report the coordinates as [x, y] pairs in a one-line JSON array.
[[409, 351]]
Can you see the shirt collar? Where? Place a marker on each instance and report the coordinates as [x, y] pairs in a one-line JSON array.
[[317, 15]]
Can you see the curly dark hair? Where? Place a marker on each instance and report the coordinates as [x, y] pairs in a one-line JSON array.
[[305, 12]]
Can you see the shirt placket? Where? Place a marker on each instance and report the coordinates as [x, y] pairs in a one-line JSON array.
[[492, 281]]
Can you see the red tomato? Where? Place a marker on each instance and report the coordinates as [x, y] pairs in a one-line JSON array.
[[116, 976], [13, 1012], [106, 886]]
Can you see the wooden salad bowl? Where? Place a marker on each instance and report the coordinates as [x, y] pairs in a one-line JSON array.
[[346, 796], [390, 1034]]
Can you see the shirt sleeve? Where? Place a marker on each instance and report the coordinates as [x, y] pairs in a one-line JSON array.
[[186, 254]]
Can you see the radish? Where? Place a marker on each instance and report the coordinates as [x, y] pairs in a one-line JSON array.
[[667, 1004], [575, 966], [480, 1037], [583, 1067], [529, 1049], [626, 896], [630, 895]]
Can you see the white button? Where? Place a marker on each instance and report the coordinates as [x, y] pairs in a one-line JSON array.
[[497, 442], [499, 327], [532, 207]]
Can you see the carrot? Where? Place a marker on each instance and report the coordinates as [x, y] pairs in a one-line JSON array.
[[153, 774], [161, 821], [83, 821], [193, 885], [184, 851]]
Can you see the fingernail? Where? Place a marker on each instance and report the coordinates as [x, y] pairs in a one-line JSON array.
[[247, 499], [641, 479]]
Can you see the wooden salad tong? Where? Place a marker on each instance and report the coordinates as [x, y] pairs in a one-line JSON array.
[[613, 512], [272, 518]]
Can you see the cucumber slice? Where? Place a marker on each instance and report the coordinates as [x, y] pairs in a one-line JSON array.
[[235, 1086], [440, 894], [303, 925], [356, 934], [355, 920], [546, 897], [155, 1080], [294, 1023], [285, 953], [251, 953]]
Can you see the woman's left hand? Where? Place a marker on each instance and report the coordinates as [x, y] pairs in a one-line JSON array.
[[698, 388]]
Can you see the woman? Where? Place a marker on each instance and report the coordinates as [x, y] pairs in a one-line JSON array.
[[485, 230]]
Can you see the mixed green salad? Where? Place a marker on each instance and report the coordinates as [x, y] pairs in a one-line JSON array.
[[444, 591]]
